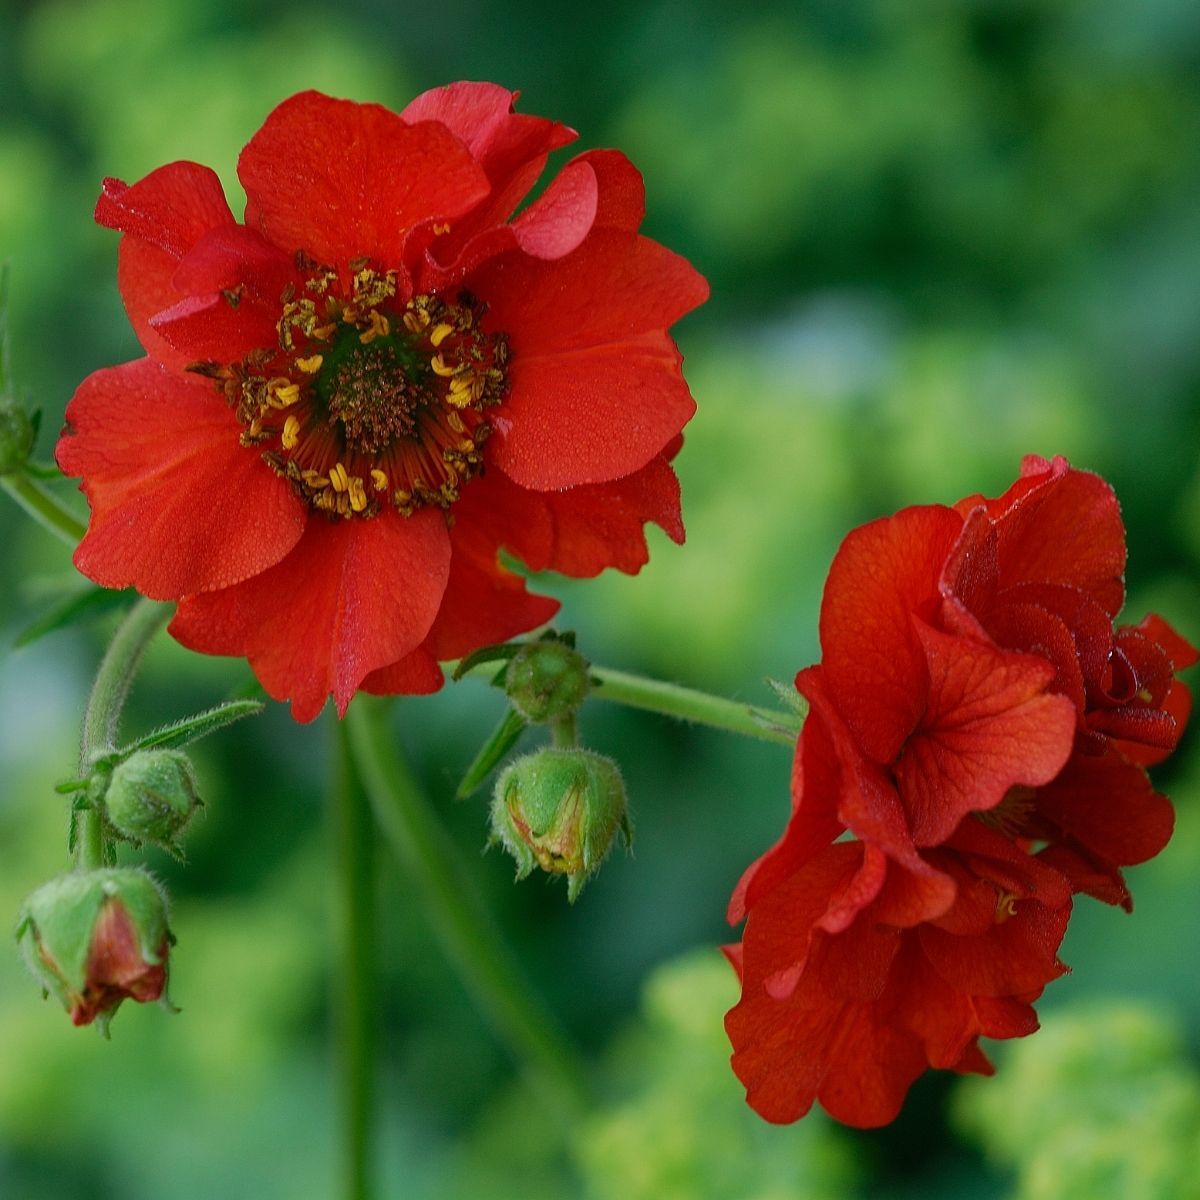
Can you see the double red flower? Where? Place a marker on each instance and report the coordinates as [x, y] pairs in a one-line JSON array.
[[982, 730], [351, 402]]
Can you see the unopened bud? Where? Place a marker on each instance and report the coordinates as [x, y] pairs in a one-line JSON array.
[[547, 680], [16, 434], [96, 938], [560, 809], [152, 796]]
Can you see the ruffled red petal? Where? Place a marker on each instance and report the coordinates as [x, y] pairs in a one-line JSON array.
[[1067, 530], [178, 506], [988, 726], [163, 216], [485, 603], [416, 674], [511, 147], [1107, 805], [342, 180], [615, 287], [351, 598], [816, 784], [883, 573]]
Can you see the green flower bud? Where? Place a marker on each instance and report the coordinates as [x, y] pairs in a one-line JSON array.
[[547, 680], [151, 797], [96, 938], [560, 810], [16, 435]]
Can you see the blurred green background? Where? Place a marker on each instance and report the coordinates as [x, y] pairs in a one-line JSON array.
[[940, 235]]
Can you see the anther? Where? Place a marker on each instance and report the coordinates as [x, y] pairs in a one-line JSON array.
[[291, 432]]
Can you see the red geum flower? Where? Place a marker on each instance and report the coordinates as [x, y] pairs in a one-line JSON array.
[[971, 687], [353, 400]]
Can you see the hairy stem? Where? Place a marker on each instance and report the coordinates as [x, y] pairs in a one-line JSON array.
[[467, 932], [44, 507], [688, 704], [355, 979], [103, 713]]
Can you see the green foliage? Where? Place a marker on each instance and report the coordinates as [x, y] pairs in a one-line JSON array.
[[1101, 1102], [678, 1128]]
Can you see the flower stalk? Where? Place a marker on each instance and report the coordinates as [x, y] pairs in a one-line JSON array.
[[103, 713], [467, 932], [44, 507], [355, 979]]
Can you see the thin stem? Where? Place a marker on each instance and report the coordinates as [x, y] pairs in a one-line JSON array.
[[688, 704], [103, 713], [467, 931], [44, 507], [355, 980]]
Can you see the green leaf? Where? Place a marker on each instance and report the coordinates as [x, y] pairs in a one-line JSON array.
[[189, 729], [486, 654], [494, 749], [78, 607]]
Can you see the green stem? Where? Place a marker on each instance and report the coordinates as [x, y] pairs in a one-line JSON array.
[[687, 704], [44, 507], [355, 981], [103, 713], [468, 934]]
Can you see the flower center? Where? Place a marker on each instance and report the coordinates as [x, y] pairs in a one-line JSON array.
[[367, 400]]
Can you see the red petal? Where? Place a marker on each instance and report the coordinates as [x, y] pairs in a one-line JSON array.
[[622, 199], [178, 506], [884, 572], [988, 726], [591, 416], [354, 596], [600, 525], [484, 603], [613, 288], [816, 783], [170, 208], [212, 328], [1018, 955], [511, 147], [870, 806], [416, 674], [342, 180], [1067, 530], [1107, 805], [233, 256], [144, 275], [163, 216], [562, 216], [1176, 647]]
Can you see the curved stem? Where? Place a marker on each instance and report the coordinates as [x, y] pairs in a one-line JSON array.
[[688, 704], [44, 507], [103, 713], [467, 931], [355, 983]]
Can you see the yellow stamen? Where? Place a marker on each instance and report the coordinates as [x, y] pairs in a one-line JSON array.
[[379, 479], [440, 366], [291, 432], [441, 227], [322, 333], [358, 495], [310, 366], [339, 478], [440, 333], [284, 394], [379, 327]]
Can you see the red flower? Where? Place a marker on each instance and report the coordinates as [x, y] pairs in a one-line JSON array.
[[973, 702], [353, 400]]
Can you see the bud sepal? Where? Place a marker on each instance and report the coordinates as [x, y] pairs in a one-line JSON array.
[[150, 797], [560, 810], [96, 938], [547, 680]]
